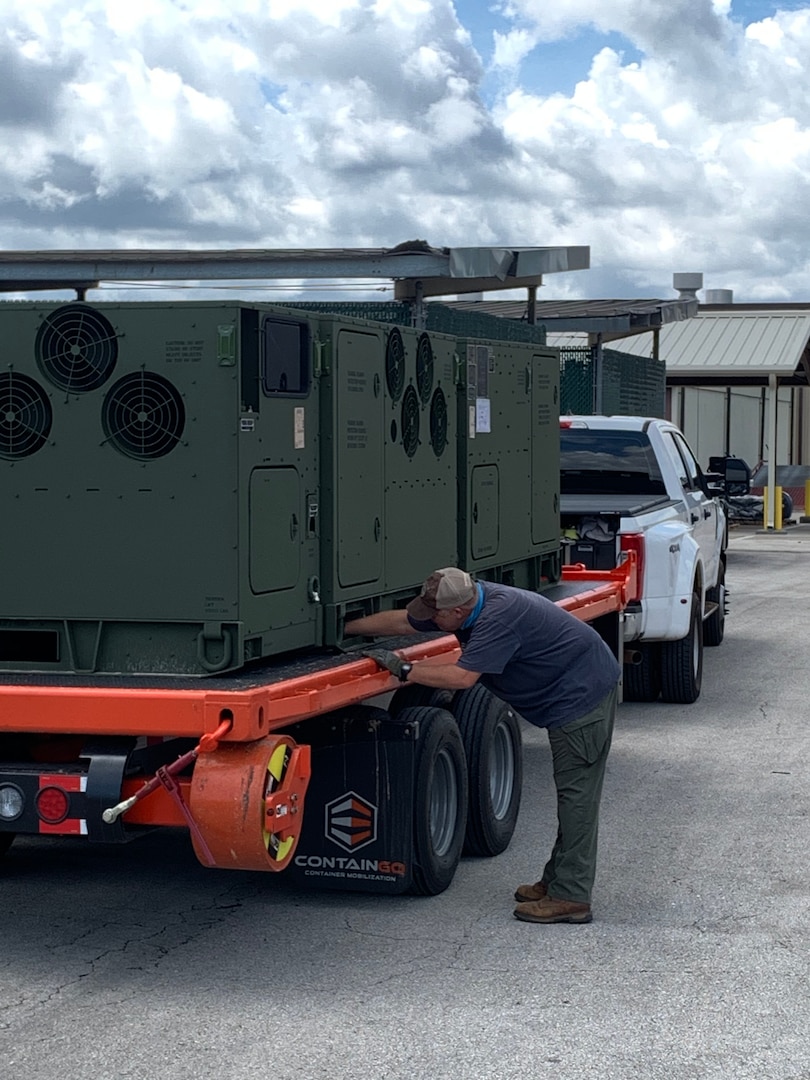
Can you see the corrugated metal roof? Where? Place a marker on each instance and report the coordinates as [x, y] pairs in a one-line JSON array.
[[747, 345]]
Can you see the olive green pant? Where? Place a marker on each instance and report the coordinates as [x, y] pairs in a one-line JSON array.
[[579, 753]]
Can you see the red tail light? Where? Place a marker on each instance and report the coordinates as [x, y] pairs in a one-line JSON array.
[[52, 804], [635, 542]]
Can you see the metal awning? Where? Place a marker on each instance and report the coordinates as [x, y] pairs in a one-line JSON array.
[[742, 347], [418, 268], [611, 319]]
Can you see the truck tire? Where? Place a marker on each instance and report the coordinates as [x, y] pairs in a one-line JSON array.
[[490, 731], [6, 840], [787, 506], [682, 662], [440, 799], [642, 681], [714, 627]]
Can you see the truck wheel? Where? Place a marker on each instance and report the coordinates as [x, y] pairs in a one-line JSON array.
[[6, 840], [490, 731], [440, 799], [642, 681], [682, 662], [714, 627]]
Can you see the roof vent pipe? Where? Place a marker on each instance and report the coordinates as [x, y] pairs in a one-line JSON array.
[[719, 296], [687, 285]]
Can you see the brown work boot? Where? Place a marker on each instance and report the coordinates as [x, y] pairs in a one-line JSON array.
[[549, 910], [525, 894]]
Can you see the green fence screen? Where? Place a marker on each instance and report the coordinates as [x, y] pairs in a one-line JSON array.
[[631, 385], [440, 318]]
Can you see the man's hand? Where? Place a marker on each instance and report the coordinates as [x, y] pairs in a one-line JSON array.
[[386, 659]]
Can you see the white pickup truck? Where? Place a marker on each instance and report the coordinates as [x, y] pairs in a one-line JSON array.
[[632, 484]]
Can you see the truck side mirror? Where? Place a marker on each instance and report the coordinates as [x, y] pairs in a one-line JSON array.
[[737, 477], [732, 474]]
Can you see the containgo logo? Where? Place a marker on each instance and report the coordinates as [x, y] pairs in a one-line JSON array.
[[351, 822]]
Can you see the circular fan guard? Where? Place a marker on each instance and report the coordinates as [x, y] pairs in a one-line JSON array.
[[410, 421], [76, 348], [143, 415], [424, 368], [395, 364], [438, 422], [25, 416]]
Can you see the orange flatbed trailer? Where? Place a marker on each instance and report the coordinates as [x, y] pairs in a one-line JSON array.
[[238, 724]]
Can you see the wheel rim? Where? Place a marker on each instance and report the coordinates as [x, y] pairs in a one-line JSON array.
[[501, 771], [443, 803]]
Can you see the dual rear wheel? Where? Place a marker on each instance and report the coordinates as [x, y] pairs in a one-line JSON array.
[[672, 670], [465, 802]]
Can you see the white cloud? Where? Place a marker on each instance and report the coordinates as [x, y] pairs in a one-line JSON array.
[[512, 48], [367, 122]]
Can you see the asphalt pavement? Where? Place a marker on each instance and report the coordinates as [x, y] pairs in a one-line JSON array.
[[137, 962]]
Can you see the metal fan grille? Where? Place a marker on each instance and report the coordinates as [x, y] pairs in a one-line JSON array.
[[143, 415], [438, 422], [395, 364], [424, 368], [25, 416], [76, 348], [410, 421]]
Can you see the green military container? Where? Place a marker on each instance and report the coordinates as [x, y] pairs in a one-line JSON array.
[[188, 487], [160, 479], [388, 462], [509, 462]]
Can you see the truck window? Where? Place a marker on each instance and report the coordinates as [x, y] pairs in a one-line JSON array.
[[284, 357], [689, 460], [672, 453], [610, 462], [684, 460]]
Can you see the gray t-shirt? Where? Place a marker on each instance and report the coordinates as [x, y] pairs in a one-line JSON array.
[[547, 664]]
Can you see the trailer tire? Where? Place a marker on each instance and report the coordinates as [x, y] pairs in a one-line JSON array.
[[682, 662], [439, 801], [490, 731], [6, 840], [416, 696], [714, 627], [642, 681]]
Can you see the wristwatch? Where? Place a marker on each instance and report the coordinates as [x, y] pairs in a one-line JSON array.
[[405, 671]]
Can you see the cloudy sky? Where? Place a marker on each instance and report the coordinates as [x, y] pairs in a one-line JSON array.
[[668, 135]]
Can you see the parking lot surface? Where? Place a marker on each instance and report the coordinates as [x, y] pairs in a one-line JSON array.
[[138, 962]]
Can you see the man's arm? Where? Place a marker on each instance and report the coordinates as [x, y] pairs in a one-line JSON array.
[[443, 676], [381, 624]]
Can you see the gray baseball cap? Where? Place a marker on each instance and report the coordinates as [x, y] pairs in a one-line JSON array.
[[444, 589]]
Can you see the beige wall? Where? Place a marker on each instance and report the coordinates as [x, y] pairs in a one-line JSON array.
[[704, 412]]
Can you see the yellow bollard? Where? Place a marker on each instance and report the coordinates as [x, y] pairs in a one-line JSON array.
[[777, 510]]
